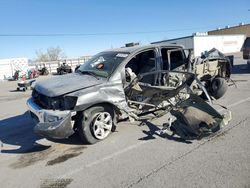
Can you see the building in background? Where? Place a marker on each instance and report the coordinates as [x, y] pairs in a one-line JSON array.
[[242, 28], [201, 42], [227, 40]]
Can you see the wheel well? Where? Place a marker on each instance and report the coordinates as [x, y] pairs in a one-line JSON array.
[[79, 114], [102, 104]]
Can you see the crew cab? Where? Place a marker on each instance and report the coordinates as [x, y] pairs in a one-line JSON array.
[[91, 100]]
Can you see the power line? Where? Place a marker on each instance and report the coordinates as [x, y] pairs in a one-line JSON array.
[[100, 34], [93, 34]]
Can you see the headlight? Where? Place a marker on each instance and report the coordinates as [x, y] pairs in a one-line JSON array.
[[56, 103], [70, 102]]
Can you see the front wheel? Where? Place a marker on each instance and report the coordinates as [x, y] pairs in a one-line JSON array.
[[96, 123]]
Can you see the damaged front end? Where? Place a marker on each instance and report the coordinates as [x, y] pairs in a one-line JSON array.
[[51, 123]]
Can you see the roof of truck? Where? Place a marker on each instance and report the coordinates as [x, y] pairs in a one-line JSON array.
[[141, 47]]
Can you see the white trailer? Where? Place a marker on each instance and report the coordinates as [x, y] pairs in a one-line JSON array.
[[9, 66], [203, 42]]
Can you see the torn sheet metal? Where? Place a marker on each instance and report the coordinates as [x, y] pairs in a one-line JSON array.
[[213, 63], [145, 97], [195, 118]]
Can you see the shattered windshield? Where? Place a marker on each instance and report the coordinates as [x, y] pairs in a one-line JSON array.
[[103, 64]]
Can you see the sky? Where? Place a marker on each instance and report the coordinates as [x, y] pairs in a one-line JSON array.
[[86, 27]]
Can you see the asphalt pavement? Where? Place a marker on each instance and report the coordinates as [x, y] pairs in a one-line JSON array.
[[133, 156]]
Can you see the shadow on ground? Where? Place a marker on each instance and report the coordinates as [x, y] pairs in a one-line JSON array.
[[18, 91], [18, 132], [154, 130], [72, 140]]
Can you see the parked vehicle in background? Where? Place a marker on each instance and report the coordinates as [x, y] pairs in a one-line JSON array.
[[16, 75], [77, 67], [43, 70], [32, 73], [64, 69], [246, 49], [24, 85]]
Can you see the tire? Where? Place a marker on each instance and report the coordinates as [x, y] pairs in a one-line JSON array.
[[218, 87], [46, 72], [90, 121]]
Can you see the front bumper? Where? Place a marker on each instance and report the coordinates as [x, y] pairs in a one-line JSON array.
[[51, 123]]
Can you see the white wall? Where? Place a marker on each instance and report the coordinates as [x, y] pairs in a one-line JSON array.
[[5, 69], [225, 43], [187, 42], [9, 66], [53, 65]]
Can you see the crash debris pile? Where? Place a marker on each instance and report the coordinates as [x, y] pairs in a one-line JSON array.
[[194, 117]]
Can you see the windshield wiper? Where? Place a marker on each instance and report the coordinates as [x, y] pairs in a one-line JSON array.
[[89, 72]]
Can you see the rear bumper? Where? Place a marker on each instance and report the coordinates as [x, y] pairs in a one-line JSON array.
[[51, 123]]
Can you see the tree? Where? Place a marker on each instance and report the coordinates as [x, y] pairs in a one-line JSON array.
[[41, 56], [52, 54], [55, 54]]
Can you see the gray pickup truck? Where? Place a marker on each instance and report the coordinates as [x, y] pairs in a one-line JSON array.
[[91, 100]]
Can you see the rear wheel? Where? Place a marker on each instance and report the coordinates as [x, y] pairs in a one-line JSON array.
[[96, 123], [218, 87]]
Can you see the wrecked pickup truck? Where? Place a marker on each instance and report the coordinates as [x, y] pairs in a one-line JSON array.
[[119, 83]]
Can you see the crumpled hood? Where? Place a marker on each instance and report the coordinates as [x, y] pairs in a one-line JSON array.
[[59, 85]]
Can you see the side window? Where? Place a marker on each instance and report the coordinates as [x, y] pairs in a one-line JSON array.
[[164, 55], [176, 58], [143, 62]]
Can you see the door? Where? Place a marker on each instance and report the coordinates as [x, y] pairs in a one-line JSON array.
[[142, 63], [173, 59]]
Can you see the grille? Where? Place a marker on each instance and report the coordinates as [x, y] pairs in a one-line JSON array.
[[41, 100], [54, 103]]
